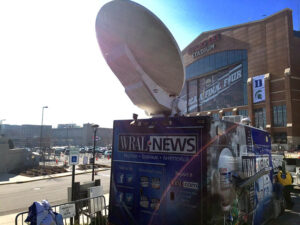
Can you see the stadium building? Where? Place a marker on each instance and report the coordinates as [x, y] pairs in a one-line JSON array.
[[251, 69]]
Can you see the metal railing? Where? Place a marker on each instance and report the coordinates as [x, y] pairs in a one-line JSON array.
[[88, 211]]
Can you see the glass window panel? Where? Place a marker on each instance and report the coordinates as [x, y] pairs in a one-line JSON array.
[[280, 138], [184, 97], [279, 116], [279, 113], [228, 113], [192, 95], [256, 118], [243, 112], [260, 118], [216, 116], [275, 121], [284, 115], [264, 118]]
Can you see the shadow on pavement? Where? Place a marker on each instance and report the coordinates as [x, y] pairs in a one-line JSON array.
[[6, 176]]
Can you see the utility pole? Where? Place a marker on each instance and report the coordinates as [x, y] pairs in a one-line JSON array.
[[95, 126]]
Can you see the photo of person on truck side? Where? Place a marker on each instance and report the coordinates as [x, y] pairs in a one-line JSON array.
[[225, 159]]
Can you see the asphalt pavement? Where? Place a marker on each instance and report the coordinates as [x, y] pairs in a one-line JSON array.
[[18, 192], [18, 197], [290, 216]]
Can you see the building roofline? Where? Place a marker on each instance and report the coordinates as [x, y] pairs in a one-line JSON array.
[[238, 25]]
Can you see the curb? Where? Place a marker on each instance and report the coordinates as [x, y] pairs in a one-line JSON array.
[[52, 177]]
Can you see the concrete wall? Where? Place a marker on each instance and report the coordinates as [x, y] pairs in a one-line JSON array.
[[14, 159], [3, 154]]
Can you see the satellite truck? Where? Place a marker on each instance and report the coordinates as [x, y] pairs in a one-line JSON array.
[[172, 169]]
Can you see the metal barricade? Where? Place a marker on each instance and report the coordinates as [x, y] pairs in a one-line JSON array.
[[88, 211]]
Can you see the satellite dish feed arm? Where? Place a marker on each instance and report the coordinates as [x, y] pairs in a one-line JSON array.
[[172, 102], [158, 93], [250, 180]]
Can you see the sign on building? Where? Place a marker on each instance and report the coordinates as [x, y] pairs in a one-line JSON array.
[[259, 88], [205, 46], [222, 89]]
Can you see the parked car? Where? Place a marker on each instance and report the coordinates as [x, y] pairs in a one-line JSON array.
[[107, 153], [101, 150], [57, 152]]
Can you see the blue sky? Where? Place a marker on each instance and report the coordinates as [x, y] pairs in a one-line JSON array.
[[50, 55], [186, 19]]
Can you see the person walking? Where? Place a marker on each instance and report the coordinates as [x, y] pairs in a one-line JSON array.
[[285, 179]]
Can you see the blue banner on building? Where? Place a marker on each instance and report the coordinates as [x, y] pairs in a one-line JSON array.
[[259, 89]]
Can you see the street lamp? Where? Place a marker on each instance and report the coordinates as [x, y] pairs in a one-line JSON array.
[[41, 136], [68, 136], [95, 126]]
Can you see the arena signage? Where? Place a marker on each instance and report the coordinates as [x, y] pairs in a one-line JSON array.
[[221, 84], [203, 50], [205, 46], [181, 144], [222, 89]]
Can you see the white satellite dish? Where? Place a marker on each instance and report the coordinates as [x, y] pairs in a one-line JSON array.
[[142, 53]]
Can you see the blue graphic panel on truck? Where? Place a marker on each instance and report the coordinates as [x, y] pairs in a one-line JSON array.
[[156, 171]]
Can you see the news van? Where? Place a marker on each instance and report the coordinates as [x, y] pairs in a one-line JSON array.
[[190, 170], [173, 168]]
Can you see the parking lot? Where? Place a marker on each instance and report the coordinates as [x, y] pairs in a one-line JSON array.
[[84, 158]]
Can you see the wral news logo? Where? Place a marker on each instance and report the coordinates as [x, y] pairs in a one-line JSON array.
[[177, 144]]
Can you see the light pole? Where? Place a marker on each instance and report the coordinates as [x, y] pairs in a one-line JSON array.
[[68, 137], [41, 136], [95, 126]]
